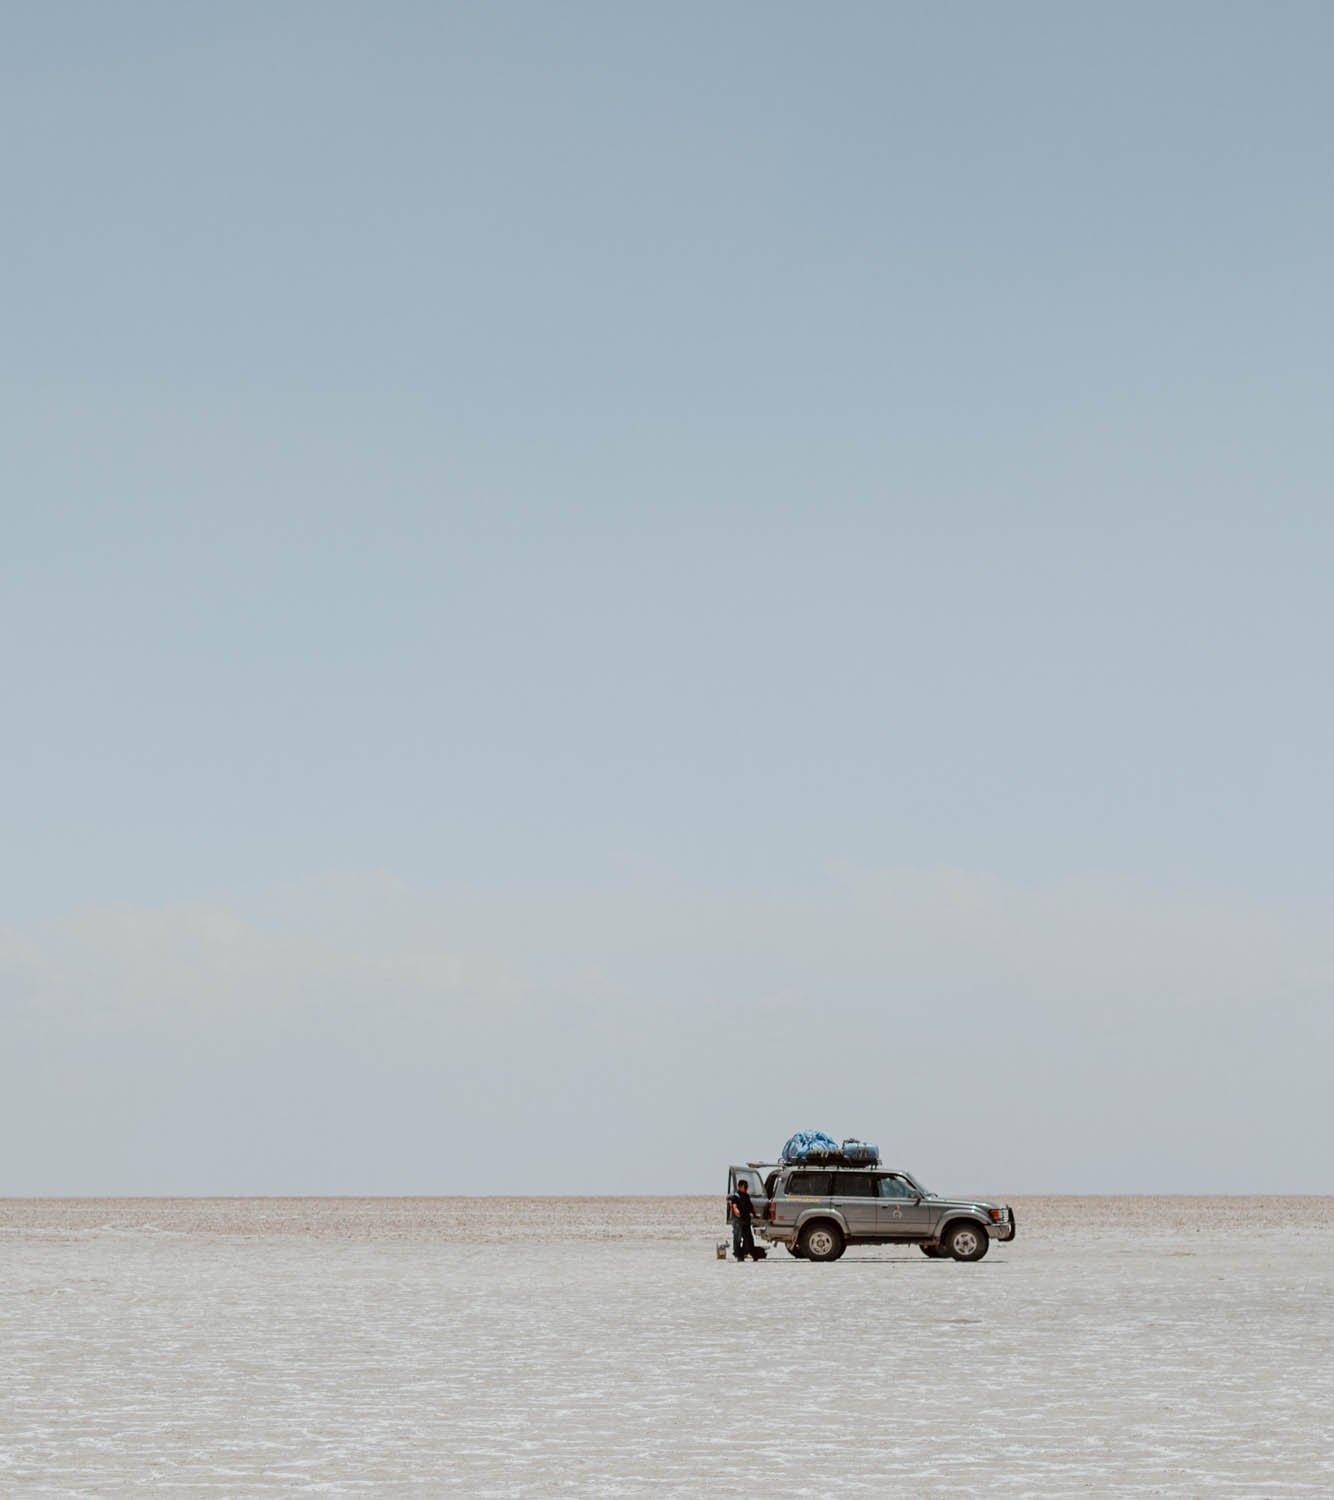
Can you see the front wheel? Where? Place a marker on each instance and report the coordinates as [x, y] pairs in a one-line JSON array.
[[934, 1252], [822, 1242], [793, 1250], [967, 1242]]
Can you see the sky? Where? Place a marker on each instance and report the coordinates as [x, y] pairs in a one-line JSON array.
[[588, 586]]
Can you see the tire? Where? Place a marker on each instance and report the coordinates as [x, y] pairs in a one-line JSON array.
[[822, 1241], [934, 1252], [967, 1241], [794, 1251]]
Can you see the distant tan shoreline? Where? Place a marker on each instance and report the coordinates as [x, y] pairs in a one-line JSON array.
[[576, 1219]]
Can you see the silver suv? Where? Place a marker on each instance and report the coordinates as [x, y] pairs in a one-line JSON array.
[[816, 1212]]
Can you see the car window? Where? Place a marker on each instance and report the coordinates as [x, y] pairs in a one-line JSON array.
[[895, 1187], [854, 1185], [809, 1185]]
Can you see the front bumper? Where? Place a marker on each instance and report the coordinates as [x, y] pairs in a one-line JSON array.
[[1004, 1229]]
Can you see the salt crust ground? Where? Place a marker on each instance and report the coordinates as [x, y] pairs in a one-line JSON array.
[[491, 1347]]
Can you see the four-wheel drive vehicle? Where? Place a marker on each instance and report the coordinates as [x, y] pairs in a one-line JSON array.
[[816, 1212]]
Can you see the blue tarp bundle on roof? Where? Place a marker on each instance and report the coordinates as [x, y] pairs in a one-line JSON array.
[[796, 1147], [815, 1144]]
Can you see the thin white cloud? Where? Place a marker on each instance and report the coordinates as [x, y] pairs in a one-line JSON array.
[[381, 1038]]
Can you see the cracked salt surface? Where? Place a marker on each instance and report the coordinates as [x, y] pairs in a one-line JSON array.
[[534, 1347]]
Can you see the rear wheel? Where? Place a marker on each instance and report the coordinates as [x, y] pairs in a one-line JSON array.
[[822, 1241], [793, 1249], [967, 1241], [934, 1252]]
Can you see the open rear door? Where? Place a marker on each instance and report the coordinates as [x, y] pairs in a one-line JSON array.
[[753, 1177]]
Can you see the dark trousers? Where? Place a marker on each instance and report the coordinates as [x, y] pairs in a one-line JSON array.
[[743, 1239]]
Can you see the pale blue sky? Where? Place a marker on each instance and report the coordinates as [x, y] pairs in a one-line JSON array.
[[533, 454]]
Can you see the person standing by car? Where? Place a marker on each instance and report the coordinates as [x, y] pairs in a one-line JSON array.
[[742, 1211]]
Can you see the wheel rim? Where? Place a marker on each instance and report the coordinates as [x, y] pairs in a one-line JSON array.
[[821, 1242], [965, 1242]]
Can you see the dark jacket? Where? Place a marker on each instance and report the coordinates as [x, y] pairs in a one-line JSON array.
[[741, 1206]]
